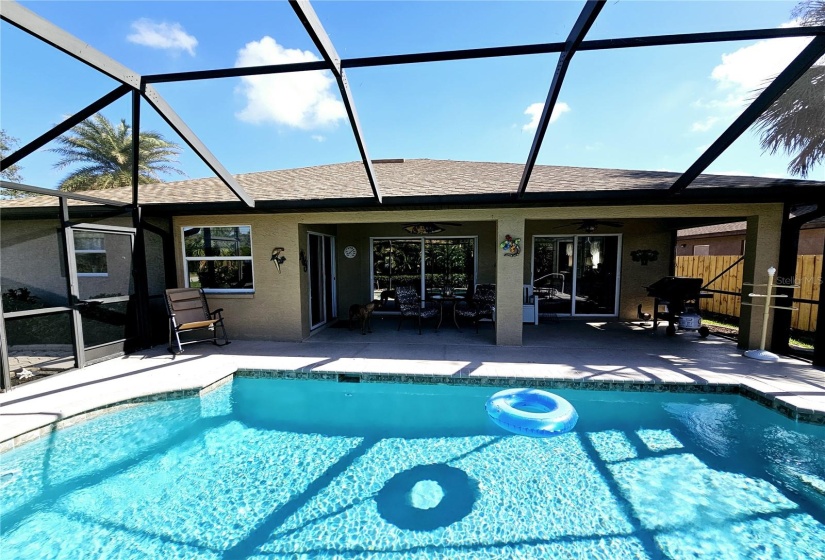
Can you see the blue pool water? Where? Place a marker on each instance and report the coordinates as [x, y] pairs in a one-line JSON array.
[[271, 469]]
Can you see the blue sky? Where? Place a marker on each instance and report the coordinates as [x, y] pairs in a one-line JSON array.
[[653, 108]]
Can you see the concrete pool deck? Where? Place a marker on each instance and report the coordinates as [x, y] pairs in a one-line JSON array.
[[593, 355]]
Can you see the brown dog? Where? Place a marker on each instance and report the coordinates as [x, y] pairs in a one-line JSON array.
[[363, 314]]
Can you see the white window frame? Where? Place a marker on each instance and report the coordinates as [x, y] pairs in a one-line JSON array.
[[186, 259], [93, 251], [706, 247]]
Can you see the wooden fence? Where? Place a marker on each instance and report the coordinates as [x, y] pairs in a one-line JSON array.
[[808, 276]]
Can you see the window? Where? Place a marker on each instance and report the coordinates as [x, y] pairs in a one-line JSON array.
[[218, 259], [90, 253], [428, 264], [700, 250]]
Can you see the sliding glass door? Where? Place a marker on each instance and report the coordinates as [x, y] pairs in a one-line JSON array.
[[553, 273], [321, 272], [428, 264], [578, 274]]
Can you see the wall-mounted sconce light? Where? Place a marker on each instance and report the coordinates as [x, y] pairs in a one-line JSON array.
[[277, 258], [644, 256], [302, 257]]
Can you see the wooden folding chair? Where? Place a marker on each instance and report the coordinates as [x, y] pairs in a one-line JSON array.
[[188, 311]]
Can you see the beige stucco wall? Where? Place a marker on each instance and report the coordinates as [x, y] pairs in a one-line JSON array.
[[274, 311], [30, 258], [761, 253]]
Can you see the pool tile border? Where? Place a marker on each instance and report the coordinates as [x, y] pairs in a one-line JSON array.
[[633, 385], [461, 378]]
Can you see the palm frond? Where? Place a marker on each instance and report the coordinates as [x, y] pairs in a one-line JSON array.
[[105, 151], [795, 123]]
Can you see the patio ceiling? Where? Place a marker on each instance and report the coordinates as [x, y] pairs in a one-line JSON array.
[[140, 85]]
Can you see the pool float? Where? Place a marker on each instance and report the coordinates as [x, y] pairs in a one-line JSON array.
[[532, 412]]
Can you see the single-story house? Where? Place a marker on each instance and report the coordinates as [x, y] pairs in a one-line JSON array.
[[317, 241]]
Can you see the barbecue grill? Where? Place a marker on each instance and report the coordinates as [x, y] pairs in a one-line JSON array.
[[679, 295]]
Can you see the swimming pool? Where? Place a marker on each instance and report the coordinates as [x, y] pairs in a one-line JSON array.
[[282, 469]]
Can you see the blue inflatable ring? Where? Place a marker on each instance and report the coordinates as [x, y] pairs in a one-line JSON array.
[[555, 416]]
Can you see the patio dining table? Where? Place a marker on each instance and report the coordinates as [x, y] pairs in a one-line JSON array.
[[451, 301]]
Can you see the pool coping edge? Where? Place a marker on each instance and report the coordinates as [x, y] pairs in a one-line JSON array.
[[764, 398]]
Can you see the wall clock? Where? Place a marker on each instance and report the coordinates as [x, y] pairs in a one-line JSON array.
[[350, 252]]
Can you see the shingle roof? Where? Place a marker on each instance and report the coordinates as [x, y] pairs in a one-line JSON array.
[[414, 178], [733, 228]]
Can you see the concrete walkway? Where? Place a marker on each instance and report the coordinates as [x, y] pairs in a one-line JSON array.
[[607, 356]]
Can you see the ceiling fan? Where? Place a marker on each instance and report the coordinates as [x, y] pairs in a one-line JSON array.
[[589, 226], [424, 228]]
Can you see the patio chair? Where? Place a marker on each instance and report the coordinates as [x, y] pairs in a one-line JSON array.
[[409, 303], [481, 306], [188, 311]]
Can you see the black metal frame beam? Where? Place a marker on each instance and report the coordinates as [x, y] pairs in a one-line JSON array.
[[5, 373], [135, 146], [182, 129], [309, 19], [72, 289], [139, 268], [236, 72], [591, 45], [780, 84], [60, 194], [31, 23], [64, 126], [491, 52], [303, 9], [585, 20]]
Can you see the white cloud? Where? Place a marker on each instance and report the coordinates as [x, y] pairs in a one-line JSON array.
[[319, 137], [302, 100], [704, 125], [162, 35], [750, 68], [742, 74], [534, 111]]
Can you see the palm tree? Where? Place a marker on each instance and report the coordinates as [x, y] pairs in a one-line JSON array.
[[105, 150], [795, 123], [7, 142], [12, 172]]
